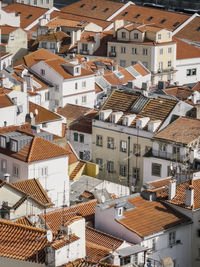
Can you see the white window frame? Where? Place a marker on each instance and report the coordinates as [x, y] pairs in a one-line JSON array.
[[4, 165], [44, 171], [15, 170], [123, 146]]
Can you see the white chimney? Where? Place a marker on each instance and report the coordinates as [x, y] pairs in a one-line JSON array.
[[172, 189], [189, 200], [24, 87], [118, 24], [153, 125], [7, 177]]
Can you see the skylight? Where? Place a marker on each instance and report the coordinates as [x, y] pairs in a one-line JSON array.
[[106, 9], [82, 5], [150, 18], [198, 29], [162, 21], [94, 7], [124, 14], [176, 23], [137, 16], [29, 16]]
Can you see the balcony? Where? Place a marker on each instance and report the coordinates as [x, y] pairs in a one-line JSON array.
[[84, 52], [112, 54], [168, 156]]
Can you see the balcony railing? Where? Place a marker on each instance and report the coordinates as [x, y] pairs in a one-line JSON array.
[[167, 155], [84, 52], [112, 54]]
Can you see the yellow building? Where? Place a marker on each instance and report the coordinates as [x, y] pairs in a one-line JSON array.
[[122, 133], [151, 45]]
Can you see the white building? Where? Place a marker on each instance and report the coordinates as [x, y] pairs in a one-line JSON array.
[[27, 156], [151, 224]]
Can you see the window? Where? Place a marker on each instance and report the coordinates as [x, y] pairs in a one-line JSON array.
[[4, 165], [153, 244], [110, 142], [161, 51], [169, 63], [112, 49], [57, 88], [191, 72], [123, 146], [56, 102], [123, 35], [169, 35], [145, 64], [52, 45], [150, 18], [162, 21], [35, 2], [172, 238], [136, 173], [123, 50], [43, 44], [176, 24], [125, 260], [169, 172], [94, 7], [41, 2], [135, 259], [76, 86], [135, 35], [145, 51], [137, 150], [84, 84], [160, 66], [156, 169], [169, 50], [124, 14], [76, 137], [120, 211], [81, 154], [76, 101], [47, 1], [81, 6], [100, 163], [122, 170], [81, 138], [147, 149], [134, 51], [159, 36], [15, 171], [84, 99], [99, 140], [42, 71], [44, 171], [84, 47], [77, 70], [12, 37], [3, 141], [105, 10], [110, 166], [163, 147], [133, 62], [46, 96], [137, 16], [122, 63], [13, 145], [44, 125]]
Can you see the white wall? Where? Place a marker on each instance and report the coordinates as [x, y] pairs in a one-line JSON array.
[[9, 18], [54, 127], [8, 114]]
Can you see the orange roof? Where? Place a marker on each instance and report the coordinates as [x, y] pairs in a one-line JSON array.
[[140, 69], [23, 220], [63, 241], [60, 22], [150, 217], [34, 189], [28, 14], [185, 50], [52, 36], [22, 242], [191, 31], [182, 92], [5, 101], [87, 37], [96, 252], [44, 115], [183, 130], [72, 112], [161, 18], [196, 87], [5, 29], [93, 8], [72, 156], [98, 89], [39, 55], [55, 218]]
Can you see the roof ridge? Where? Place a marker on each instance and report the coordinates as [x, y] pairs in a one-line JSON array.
[[42, 190], [103, 233]]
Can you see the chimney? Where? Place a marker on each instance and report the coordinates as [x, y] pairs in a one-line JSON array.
[[29, 81], [7, 177], [117, 24], [24, 87], [172, 189], [189, 200]]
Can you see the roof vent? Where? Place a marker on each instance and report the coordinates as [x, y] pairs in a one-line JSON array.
[[18, 142], [116, 116], [142, 122], [104, 114]]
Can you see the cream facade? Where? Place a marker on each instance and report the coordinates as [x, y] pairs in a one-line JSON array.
[[38, 3], [154, 48]]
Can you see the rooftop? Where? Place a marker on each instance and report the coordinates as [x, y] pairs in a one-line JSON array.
[[72, 155], [182, 92], [93, 8], [185, 50], [5, 101], [5, 29], [160, 18], [55, 218], [183, 130]]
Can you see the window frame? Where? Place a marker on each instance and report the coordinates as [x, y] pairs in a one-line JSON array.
[[99, 140], [153, 173], [123, 148]]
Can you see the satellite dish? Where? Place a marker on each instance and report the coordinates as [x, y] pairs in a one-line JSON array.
[[31, 115], [36, 111], [49, 236]]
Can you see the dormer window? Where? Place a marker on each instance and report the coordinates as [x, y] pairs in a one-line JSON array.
[[42, 71], [162, 21], [124, 14], [159, 36], [137, 16], [150, 18], [13, 145], [94, 7], [3, 142], [176, 24], [106, 9], [77, 70], [123, 35], [82, 5], [135, 35]]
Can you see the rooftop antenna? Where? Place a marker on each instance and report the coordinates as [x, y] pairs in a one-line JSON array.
[[63, 209]]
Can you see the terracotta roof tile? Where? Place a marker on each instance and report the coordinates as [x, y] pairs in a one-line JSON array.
[[96, 252], [54, 218], [161, 18], [72, 112], [59, 243], [53, 36], [182, 92], [150, 217], [185, 50], [24, 221], [5, 29], [61, 22], [28, 14], [5, 101], [191, 31], [93, 8], [183, 130], [84, 123], [140, 69], [86, 262], [44, 115], [22, 242], [98, 89], [196, 87], [32, 187]]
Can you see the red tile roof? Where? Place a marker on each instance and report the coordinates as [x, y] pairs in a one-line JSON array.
[[5, 29], [150, 217], [72, 155], [182, 92], [5, 101], [24, 221], [44, 115], [185, 50], [55, 218], [183, 130]]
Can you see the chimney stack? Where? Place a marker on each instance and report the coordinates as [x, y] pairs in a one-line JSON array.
[[189, 200], [172, 189]]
